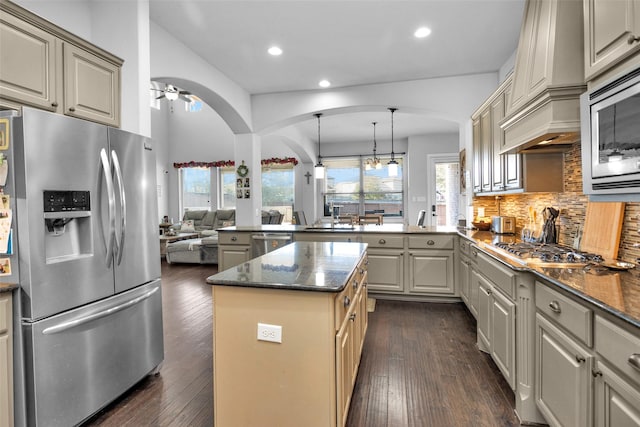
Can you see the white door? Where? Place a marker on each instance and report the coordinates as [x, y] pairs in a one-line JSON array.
[[443, 184]]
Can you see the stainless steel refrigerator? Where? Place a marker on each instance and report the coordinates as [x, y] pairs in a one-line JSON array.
[[86, 255]]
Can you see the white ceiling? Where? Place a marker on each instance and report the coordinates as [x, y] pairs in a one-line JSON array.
[[349, 42]]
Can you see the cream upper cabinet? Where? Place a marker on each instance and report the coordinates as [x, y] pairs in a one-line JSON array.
[[43, 66], [91, 87], [22, 43], [611, 33]]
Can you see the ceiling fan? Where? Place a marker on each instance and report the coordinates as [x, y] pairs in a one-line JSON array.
[[172, 93]]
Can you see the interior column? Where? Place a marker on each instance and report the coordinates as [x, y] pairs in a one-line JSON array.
[[248, 208]]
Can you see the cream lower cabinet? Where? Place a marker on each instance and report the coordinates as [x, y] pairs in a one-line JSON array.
[[431, 264], [563, 377], [496, 321], [386, 262], [46, 67], [308, 378], [616, 375], [234, 248], [6, 364]]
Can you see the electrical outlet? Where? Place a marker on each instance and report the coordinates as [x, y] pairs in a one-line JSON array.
[[272, 333]]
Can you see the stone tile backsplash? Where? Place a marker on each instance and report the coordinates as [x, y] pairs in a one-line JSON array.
[[572, 204]]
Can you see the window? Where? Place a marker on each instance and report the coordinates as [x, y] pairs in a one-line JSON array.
[[228, 187], [195, 184], [359, 191], [278, 189]]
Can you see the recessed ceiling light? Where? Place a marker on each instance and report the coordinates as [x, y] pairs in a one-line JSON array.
[[422, 32], [275, 51], [324, 83]]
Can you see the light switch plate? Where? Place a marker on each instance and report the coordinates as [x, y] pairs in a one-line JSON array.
[[272, 333]]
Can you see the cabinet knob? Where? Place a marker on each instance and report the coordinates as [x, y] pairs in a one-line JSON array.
[[580, 359], [634, 361], [54, 104], [633, 39], [234, 238], [555, 307], [430, 242], [382, 241], [595, 373], [352, 317], [355, 284], [347, 301], [72, 109], [489, 291], [474, 253]]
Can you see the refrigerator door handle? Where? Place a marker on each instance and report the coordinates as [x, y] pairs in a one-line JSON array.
[[112, 206], [123, 206], [108, 312]]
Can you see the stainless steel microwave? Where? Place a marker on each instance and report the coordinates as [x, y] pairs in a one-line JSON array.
[[610, 122]]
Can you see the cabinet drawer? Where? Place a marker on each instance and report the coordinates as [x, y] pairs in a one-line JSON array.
[[465, 246], [234, 238], [570, 314], [618, 347], [432, 241], [383, 241], [502, 277], [344, 300]]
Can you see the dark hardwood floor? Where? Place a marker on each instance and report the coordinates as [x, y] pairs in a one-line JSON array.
[[420, 367]]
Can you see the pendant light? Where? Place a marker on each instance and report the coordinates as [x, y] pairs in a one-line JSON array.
[[319, 168], [393, 165], [375, 162]]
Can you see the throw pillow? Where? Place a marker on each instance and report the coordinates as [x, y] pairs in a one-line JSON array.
[[228, 223], [187, 226]]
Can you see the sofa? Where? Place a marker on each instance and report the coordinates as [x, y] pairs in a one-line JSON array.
[[202, 250]]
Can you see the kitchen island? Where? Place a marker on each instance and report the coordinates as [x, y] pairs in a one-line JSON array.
[[288, 331]]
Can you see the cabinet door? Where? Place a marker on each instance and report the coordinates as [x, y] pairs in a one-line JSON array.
[[386, 271], [22, 43], [617, 402], [344, 369], [92, 87], [503, 335], [230, 256], [611, 28], [474, 291], [497, 141], [562, 377], [477, 157], [463, 280], [484, 314], [431, 272], [486, 150]]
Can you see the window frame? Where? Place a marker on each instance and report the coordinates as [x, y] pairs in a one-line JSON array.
[[362, 194]]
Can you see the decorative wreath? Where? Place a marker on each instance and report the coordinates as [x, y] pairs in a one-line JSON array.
[[242, 170]]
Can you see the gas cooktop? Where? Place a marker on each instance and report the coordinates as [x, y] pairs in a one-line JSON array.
[[546, 255]]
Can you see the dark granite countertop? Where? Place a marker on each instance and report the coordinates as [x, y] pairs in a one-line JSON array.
[[341, 228], [616, 292], [304, 266], [7, 287]]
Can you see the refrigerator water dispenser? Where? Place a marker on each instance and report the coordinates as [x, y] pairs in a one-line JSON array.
[[67, 225]]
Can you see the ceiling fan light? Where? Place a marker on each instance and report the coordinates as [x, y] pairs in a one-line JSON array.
[[171, 96]]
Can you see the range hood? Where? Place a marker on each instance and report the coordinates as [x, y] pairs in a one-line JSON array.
[[543, 110]]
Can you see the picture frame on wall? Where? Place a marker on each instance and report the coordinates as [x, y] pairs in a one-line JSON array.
[[239, 194]]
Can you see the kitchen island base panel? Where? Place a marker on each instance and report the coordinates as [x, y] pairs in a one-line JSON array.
[[266, 383]]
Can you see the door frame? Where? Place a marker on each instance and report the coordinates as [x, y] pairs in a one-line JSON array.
[[432, 160]]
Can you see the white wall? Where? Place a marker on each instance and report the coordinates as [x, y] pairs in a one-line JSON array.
[[419, 147]]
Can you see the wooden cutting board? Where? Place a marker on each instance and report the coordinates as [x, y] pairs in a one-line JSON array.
[[602, 227]]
